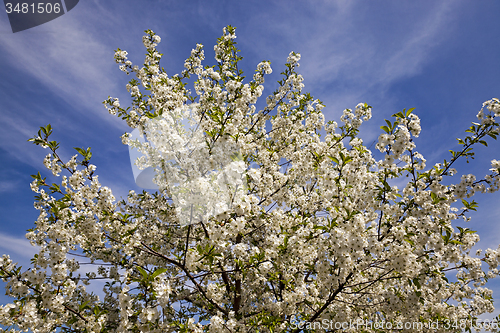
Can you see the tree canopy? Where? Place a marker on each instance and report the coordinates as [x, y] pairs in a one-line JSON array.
[[270, 220]]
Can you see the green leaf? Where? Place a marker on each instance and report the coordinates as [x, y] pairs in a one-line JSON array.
[[333, 159], [143, 272], [389, 124], [80, 150], [87, 154], [236, 157], [494, 136], [387, 187], [417, 282], [409, 241], [37, 176], [158, 272], [409, 111], [84, 306]]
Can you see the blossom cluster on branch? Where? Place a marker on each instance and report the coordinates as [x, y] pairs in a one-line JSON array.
[[314, 230]]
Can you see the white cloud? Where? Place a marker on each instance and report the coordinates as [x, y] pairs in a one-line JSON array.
[[9, 185], [69, 59], [20, 247], [353, 50]]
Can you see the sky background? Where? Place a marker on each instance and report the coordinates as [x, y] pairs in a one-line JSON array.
[[441, 57]]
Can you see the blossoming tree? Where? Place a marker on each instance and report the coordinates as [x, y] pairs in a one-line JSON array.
[[316, 232]]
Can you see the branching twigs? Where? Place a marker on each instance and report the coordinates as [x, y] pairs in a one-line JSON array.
[[188, 274], [330, 299]]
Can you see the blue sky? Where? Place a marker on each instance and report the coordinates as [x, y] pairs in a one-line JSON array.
[[441, 57]]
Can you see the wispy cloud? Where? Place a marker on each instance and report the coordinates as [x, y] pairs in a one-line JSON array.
[[351, 50], [74, 63], [20, 247], [9, 185]]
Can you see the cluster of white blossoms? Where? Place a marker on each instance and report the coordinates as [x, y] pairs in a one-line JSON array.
[[203, 181], [314, 230]]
